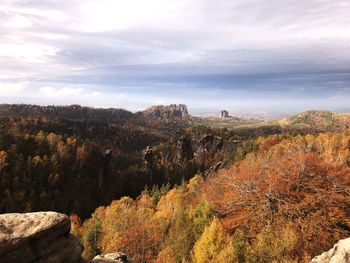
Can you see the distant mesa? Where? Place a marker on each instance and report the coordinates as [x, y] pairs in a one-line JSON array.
[[223, 114], [173, 111]]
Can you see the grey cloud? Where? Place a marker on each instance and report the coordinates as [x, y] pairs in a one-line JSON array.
[[247, 48]]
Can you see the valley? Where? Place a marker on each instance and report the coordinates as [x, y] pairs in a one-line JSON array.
[[172, 180]]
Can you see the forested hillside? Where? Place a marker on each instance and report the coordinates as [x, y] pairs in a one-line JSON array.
[[316, 120], [285, 202], [75, 163], [166, 188], [67, 165], [74, 112]]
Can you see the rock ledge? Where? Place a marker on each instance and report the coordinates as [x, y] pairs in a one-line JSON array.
[[340, 253], [38, 237], [117, 257]]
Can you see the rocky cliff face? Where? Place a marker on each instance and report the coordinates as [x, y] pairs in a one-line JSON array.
[[340, 253], [44, 237], [202, 148], [41, 237], [147, 164], [184, 150], [172, 111]]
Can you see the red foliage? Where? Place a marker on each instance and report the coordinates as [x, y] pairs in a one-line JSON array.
[[289, 182]]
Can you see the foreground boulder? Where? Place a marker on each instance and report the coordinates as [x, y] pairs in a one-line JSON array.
[[38, 237], [117, 257], [340, 253]]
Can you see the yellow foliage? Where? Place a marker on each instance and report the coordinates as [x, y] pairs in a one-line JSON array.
[[272, 246], [210, 244], [226, 255], [171, 203], [165, 256], [194, 183]]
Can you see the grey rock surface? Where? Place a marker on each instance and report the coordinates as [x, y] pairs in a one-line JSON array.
[[172, 111], [340, 253], [117, 257], [38, 237]]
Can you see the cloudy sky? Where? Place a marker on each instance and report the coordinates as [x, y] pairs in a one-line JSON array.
[[270, 55]]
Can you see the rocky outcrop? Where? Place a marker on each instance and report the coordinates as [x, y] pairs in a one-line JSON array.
[[184, 150], [223, 114], [202, 148], [182, 108], [172, 111], [41, 237], [117, 257], [148, 163], [213, 169], [106, 159], [148, 156], [207, 146], [340, 253]]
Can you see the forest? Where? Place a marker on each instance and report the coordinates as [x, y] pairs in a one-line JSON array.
[[287, 201], [175, 190]]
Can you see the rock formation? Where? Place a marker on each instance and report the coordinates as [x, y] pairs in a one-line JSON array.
[[148, 156], [106, 158], [202, 148], [213, 169], [117, 257], [223, 114], [181, 107], [207, 146], [340, 253], [172, 111], [41, 237], [184, 150], [148, 163]]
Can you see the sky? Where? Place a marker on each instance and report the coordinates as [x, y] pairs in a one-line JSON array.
[[264, 55]]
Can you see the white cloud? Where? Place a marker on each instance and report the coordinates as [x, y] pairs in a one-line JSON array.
[[49, 36], [36, 11], [12, 89], [27, 53], [61, 92], [18, 21], [96, 94], [121, 15]]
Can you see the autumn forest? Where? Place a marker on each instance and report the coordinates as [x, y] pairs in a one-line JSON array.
[[181, 189]]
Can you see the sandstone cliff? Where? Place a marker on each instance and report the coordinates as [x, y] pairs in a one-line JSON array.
[[202, 148], [41, 237], [117, 257], [340, 253], [172, 111]]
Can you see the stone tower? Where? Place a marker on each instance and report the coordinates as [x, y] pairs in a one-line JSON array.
[[223, 114]]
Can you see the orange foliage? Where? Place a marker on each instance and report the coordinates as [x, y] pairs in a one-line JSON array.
[[141, 241], [287, 202], [304, 181]]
